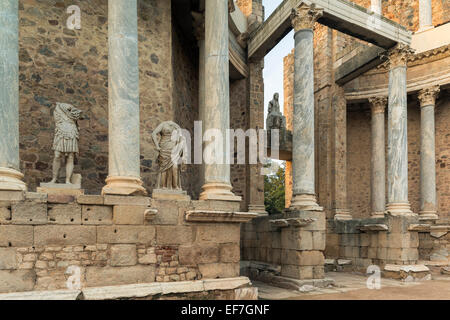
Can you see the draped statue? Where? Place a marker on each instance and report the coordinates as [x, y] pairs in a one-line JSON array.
[[171, 146], [65, 142]]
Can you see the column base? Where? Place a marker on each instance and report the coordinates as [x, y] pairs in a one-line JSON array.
[[377, 214], [342, 214], [11, 180], [428, 215], [258, 208], [124, 186], [305, 202], [400, 209], [218, 191]]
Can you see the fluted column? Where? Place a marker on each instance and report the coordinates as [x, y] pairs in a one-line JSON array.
[[425, 15], [378, 157], [303, 19], [428, 205], [123, 89], [10, 176], [216, 113], [398, 203]]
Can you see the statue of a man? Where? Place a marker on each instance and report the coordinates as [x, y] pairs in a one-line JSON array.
[[65, 142], [172, 149], [275, 119]]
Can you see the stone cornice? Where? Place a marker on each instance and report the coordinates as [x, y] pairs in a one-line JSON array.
[[378, 104], [398, 56], [427, 96], [305, 16]]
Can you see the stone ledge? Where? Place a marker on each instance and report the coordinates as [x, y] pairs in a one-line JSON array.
[[374, 227], [294, 222], [132, 290], [219, 216], [42, 295]]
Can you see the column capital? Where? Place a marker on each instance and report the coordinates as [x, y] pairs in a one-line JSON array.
[[305, 16], [199, 25], [427, 96], [398, 55], [378, 104]]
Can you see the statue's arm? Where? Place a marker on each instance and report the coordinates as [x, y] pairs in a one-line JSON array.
[[155, 135]]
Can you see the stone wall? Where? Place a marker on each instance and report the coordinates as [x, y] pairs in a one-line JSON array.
[[112, 240], [62, 65]]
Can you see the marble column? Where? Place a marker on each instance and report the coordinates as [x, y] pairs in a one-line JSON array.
[[376, 6], [123, 89], [425, 15], [398, 203], [378, 157], [428, 204], [10, 176], [303, 167], [216, 114]]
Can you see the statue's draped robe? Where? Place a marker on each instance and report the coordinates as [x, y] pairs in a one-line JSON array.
[[171, 150], [66, 132]]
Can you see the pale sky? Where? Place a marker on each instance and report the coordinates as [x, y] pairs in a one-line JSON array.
[[273, 63]]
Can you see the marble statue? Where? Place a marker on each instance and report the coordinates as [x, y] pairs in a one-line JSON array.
[[275, 119], [171, 146], [65, 142]]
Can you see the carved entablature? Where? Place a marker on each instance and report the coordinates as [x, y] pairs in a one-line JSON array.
[[398, 56], [378, 104], [427, 96], [305, 16]]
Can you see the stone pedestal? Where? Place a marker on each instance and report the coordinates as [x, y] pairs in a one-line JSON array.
[[428, 204], [10, 176], [124, 126], [216, 113], [378, 158], [304, 198], [174, 195], [398, 203]]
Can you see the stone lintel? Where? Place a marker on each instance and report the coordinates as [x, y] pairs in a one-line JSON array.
[[219, 216]]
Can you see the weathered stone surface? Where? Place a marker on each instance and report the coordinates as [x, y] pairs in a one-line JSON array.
[[195, 254], [126, 234], [65, 214], [90, 199], [103, 276], [219, 233], [303, 258], [246, 293], [42, 295], [123, 255], [8, 260], [168, 211], [65, 235], [123, 291], [6, 195], [126, 200], [96, 215], [230, 252], [60, 198], [226, 284], [5, 215], [182, 286], [219, 270], [16, 236], [129, 215], [172, 235], [29, 212], [17, 281]]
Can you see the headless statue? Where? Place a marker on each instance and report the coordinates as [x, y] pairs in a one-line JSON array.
[[275, 119]]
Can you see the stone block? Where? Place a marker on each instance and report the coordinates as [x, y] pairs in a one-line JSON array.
[[126, 234], [90, 199], [169, 212], [195, 254], [64, 235], [60, 198], [126, 201], [16, 236], [231, 206], [318, 272], [149, 258], [123, 255], [36, 197], [61, 189], [111, 276], [96, 215], [297, 272], [174, 235], [29, 212], [8, 259], [219, 233], [319, 240], [7, 195], [17, 281], [129, 215], [219, 270], [64, 214], [276, 240], [230, 252], [296, 239], [5, 215], [302, 258]]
